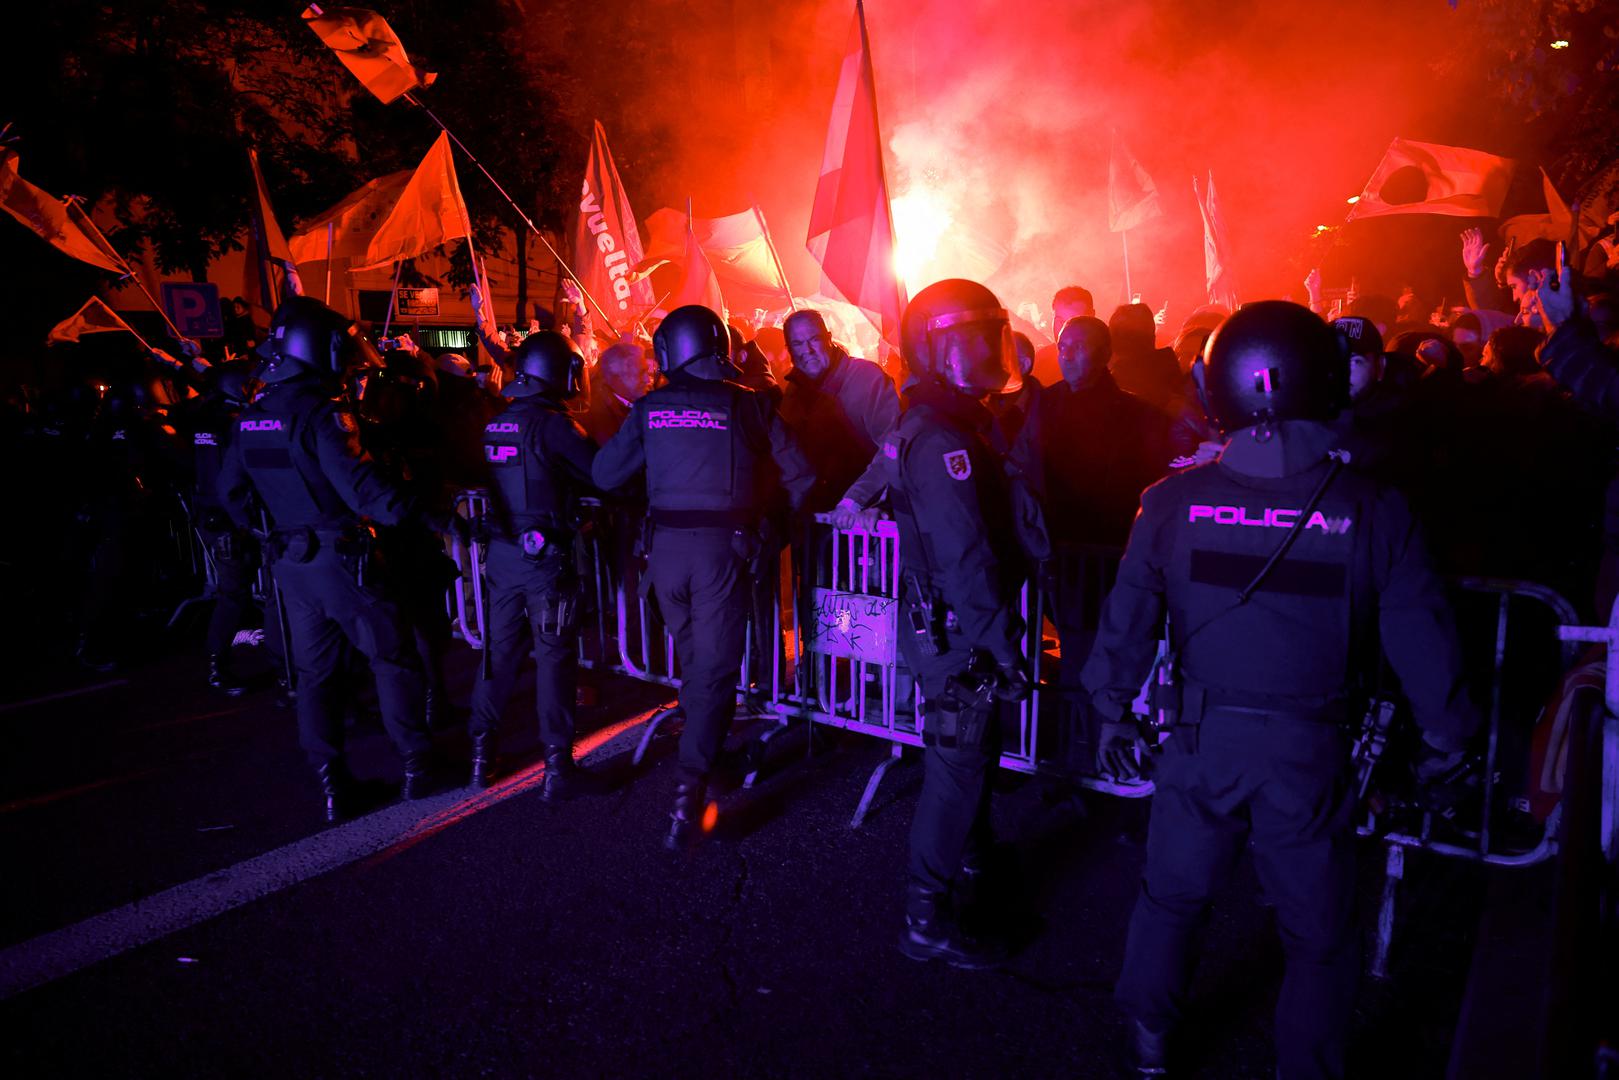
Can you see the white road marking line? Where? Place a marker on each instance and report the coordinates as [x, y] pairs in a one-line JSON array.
[[62, 952]]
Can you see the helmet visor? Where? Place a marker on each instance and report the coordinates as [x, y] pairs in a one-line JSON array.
[[975, 351]]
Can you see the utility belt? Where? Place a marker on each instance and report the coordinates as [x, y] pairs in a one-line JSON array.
[[751, 536], [1172, 703], [703, 519], [540, 542], [355, 544]]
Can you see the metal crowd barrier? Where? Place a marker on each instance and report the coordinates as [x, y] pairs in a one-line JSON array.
[[1495, 648], [839, 665], [621, 631], [472, 504]]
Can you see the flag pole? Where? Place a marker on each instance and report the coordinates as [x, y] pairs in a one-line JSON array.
[[72, 203], [770, 243], [260, 234], [882, 168], [525, 218], [331, 242], [393, 296], [1124, 234]]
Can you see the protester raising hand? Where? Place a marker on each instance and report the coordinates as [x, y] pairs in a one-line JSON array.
[[1474, 251]]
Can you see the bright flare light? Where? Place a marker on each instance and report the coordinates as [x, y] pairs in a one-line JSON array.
[[1560, 43], [1352, 200], [920, 221]]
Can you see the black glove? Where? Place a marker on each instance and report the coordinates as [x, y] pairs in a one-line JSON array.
[[1012, 684], [1435, 762], [451, 525], [1119, 752]]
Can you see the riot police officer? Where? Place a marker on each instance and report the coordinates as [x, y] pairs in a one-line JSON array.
[[539, 463], [712, 450], [960, 634], [232, 549], [299, 450], [1278, 570]]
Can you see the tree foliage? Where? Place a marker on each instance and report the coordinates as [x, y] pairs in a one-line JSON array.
[[154, 104], [1569, 94]]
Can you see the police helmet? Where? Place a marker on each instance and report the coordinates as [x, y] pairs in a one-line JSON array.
[[548, 363], [957, 332], [694, 335], [1273, 361], [307, 336], [234, 382]]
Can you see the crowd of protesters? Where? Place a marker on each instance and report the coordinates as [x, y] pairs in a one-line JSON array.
[[1495, 418]]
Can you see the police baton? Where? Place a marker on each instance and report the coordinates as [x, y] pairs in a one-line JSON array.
[[280, 604], [480, 564]]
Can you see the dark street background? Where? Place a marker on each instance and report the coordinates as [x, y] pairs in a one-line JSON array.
[[523, 940]]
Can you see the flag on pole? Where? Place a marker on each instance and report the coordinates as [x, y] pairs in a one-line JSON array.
[[266, 248], [369, 48], [1132, 197], [275, 241], [354, 221], [94, 317], [606, 243], [737, 248], [698, 283], [1217, 270], [1428, 178], [851, 229], [1555, 224], [48, 218], [430, 212]]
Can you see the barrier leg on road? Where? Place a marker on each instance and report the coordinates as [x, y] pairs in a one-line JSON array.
[[1393, 871], [651, 732], [895, 754]]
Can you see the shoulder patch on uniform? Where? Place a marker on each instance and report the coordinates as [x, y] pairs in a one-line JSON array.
[[891, 449], [959, 464], [345, 421]]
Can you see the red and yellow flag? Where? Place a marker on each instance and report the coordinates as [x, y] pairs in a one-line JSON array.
[[1132, 197], [429, 212], [851, 229], [353, 222], [737, 247], [369, 48], [275, 242], [1431, 178], [48, 218], [95, 317], [698, 282]]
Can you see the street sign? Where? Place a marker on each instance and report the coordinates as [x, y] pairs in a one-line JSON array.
[[417, 302], [194, 307]]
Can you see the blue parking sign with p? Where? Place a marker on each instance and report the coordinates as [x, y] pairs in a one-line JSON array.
[[194, 307]]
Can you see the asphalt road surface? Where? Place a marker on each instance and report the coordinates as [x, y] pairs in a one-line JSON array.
[[173, 906]]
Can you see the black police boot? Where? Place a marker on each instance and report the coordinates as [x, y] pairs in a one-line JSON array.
[[483, 760], [1149, 1050], [418, 775], [336, 786], [222, 678], [931, 935], [560, 774], [685, 818]]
